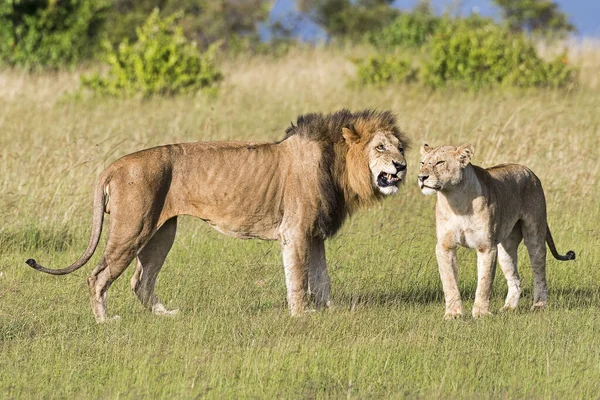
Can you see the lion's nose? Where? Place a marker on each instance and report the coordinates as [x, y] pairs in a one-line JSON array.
[[399, 166], [422, 177]]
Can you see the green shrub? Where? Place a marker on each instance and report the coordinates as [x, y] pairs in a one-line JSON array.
[[51, 34], [490, 56], [161, 62], [381, 70], [416, 29], [408, 30]]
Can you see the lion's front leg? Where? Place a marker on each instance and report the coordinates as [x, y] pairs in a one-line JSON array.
[[486, 269], [296, 254], [319, 283], [448, 267]]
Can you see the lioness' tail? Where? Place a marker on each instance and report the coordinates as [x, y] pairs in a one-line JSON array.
[[570, 254], [98, 218]]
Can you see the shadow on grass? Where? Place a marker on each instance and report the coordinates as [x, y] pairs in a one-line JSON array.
[[567, 298], [573, 298], [416, 295]]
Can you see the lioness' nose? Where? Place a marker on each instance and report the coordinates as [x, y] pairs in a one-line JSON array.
[[399, 166], [422, 177]]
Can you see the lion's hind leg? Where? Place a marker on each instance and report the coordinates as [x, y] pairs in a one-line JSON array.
[[124, 240], [508, 257], [109, 268], [534, 234], [149, 262]]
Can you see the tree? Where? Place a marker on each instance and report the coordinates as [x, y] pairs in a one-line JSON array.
[[349, 18], [49, 33], [535, 16], [204, 21]]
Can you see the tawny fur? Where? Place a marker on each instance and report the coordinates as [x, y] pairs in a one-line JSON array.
[[298, 191], [490, 210]]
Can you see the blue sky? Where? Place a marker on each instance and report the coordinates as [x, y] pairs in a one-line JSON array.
[[584, 14]]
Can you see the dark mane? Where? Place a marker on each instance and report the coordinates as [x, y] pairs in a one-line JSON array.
[[328, 127], [338, 199]]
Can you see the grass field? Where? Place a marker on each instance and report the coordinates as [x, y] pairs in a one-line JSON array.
[[233, 337]]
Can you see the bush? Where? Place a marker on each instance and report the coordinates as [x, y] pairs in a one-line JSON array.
[[408, 30], [162, 61], [490, 56], [381, 70], [54, 34], [413, 30]]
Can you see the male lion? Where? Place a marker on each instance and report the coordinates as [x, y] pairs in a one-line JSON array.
[[490, 210], [298, 191]]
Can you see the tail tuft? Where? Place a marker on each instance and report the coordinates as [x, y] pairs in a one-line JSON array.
[[31, 262], [570, 255]]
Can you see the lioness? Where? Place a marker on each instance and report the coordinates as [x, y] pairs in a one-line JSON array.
[[298, 191], [490, 210]]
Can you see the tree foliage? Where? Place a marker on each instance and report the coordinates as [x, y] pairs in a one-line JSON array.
[[349, 18], [535, 16], [54, 33], [204, 21]]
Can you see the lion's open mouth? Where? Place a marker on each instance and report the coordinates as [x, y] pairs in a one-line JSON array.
[[384, 179]]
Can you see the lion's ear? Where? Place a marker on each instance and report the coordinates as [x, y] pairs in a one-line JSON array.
[[350, 136], [464, 154], [425, 149]]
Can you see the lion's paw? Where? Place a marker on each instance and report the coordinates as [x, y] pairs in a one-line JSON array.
[[159, 309], [540, 305]]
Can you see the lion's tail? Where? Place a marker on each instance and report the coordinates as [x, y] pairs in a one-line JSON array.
[[98, 218], [570, 254]]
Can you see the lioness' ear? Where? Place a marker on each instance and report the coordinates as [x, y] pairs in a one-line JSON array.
[[350, 136], [425, 149], [464, 154]]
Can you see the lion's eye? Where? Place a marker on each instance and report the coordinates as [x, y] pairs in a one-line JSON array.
[[380, 148], [422, 163], [440, 162], [401, 150]]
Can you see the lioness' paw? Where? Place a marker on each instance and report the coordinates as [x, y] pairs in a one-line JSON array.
[[507, 308], [540, 305], [478, 313], [114, 318], [453, 315]]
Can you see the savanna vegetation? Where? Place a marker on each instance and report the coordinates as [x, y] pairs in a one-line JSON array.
[[233, 337]]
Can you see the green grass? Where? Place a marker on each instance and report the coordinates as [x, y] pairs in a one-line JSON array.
[[233, 338]]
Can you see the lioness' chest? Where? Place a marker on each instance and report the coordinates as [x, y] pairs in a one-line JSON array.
[[468, 231]]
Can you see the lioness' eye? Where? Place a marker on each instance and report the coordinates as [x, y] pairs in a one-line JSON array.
[[440, 162], [380, 148], [422, 163]]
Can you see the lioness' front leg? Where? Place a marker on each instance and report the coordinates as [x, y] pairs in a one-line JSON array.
[[319, 283], [448, 267], [295, 248], [486, 269]]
